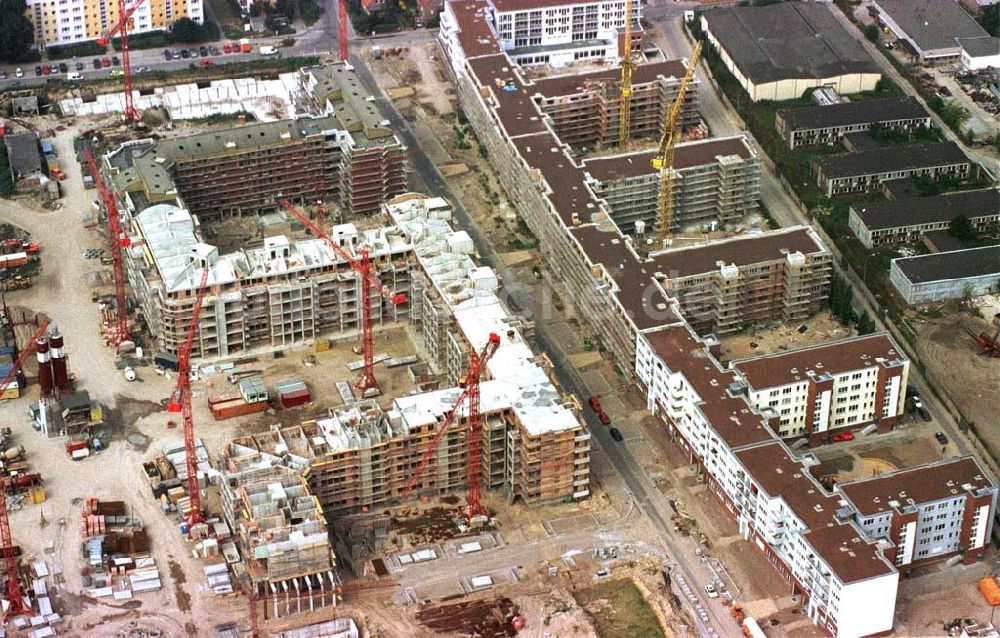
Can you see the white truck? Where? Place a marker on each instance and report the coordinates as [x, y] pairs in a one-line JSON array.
[[268, 50]]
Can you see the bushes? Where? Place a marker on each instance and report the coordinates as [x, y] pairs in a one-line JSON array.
[[78, 50], [184, 31], [309, 11], [6, 181]]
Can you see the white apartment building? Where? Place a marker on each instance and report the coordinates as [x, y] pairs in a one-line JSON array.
[[557, 33], [68, 21], [840, 384]]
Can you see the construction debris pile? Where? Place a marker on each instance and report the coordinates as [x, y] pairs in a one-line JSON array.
[[117, 550], [19, 481], [167, 476]]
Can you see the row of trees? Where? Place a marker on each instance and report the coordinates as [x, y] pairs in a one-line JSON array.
[[16, 34]]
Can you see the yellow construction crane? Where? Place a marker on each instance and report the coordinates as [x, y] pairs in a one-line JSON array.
[[663, 161], [628, 66]]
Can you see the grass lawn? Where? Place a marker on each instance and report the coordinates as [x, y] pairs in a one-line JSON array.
[[617, 608], [229, 20]]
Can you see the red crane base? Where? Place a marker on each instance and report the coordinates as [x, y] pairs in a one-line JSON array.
[[18, 607]]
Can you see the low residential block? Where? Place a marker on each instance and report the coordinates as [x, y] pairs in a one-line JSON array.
[[907, 220], [865, 171], [828, 388], [958, 274], [828, 124]]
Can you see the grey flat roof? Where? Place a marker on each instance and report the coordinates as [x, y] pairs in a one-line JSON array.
[[932, 24], [958, 264], [23, 154], [897, 157], [926, 210], [848, 113], [980, 47], [787, 40]]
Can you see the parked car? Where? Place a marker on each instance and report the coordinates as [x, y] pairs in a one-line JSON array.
[[843, 436], [63, 68], [97, 63], [105, 62], [924, 413], [227, 48], [167, 54], [912, 391], [616, 435], [711, 591], [55, 68], [115, 61], [213, 50], [941, 438], [177, 55], [206, 63], [38, 69], [595, 404], [79, 66], [3, 74], [203, 52], [185, 54], [19, 72], [605, 419]]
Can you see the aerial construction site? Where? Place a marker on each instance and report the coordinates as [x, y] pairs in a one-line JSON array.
[[505, 327]]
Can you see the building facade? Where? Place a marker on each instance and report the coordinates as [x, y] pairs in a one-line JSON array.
[[865, 171], [928, 512], [828, 124], [557, 33], [69, 21], [817, 391], [907, 220], [716, 180], [957, 274]]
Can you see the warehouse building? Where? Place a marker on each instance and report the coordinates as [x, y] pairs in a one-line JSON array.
[[907, 220], [585, 107], [780, 51], [865, 171], [829, 388], [534, 446], [346, 155], [928, 512], [980, 53], [716, 180], [948, 275], [931, 28], [271, 297], [828, 124], [558, 33]]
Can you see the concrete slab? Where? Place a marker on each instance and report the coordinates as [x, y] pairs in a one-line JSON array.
[[597, 383]]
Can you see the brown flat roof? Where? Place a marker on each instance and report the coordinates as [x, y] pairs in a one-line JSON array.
[[742, 251], [561, 85], [834, 357], [517, 113], [475, 35], [922, 483], [849, 555], [776, 472], [687, 155], [730, 416]]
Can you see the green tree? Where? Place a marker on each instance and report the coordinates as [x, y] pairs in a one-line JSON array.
[[187, 31], [962, 229], [871, 32], [990, 19], [866, 325], [841, 298], [16, 35]]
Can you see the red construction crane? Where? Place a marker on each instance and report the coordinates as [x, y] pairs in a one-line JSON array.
[[180, 401], [118, 240], [342, 28], [369, 281], [17, 605], [470, 390], [129, 114]]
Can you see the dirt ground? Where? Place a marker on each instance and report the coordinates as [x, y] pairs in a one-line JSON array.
[[954, 364], [819, 328]]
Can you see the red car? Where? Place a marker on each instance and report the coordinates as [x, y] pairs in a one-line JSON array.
[[843, 436], [227, 48], [595, 404], [105, 62], [206, 63], [45, 70], [605, 419]]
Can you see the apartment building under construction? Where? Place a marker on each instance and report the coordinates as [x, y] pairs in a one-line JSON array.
[[281, 533], [345, 155], [584, 108], [534, 446], [273, 296], [716, 180]]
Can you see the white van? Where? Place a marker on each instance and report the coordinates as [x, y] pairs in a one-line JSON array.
[[268, 50], [74, 76]]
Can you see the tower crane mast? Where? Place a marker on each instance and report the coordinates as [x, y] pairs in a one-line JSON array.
[[180, 401], [125, 11], [628, 67], [470, 391], [663, 161], [118, 240], [367, 381], [16, 603]]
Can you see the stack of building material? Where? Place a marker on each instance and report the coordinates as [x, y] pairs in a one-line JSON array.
[[229, 406], [217, 575], [292, 392]]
